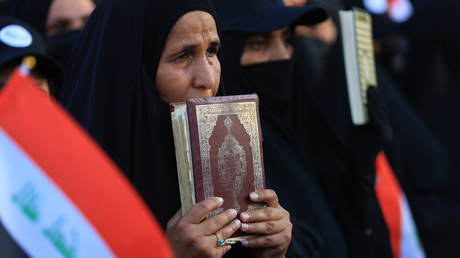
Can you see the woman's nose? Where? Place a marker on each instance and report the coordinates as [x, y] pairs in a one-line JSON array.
[[205, 74], [279, 50]]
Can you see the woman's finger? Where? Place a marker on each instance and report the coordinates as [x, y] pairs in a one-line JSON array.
[[264, 228], [262, 214], [206, 246], [279, 239], [175, 219], [217, 222], [229, 230], [267, 195], [222, 250], [200, 210]]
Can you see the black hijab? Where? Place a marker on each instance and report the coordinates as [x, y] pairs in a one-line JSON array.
[[110, 90], [34, 12]]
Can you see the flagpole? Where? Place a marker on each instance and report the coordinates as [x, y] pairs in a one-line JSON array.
[[28, 63]]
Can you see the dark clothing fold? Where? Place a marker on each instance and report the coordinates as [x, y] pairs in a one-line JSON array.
[[431, 80], [428, 176]]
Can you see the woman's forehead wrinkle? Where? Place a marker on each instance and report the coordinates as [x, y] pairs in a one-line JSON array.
[[193, 31]]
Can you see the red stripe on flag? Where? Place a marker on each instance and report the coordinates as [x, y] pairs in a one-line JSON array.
[[78, 166], [389, 194]]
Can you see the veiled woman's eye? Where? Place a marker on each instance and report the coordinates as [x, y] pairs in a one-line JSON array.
[[256, 44], [288, 37], [59, 26]]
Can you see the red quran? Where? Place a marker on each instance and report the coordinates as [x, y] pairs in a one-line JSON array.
[[218, 144]]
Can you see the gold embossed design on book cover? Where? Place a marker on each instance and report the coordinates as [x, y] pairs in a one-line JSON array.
[[365, 51], [230, 147]]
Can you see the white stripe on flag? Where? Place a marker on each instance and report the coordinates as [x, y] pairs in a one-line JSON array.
[[410, 242], [37, 214]]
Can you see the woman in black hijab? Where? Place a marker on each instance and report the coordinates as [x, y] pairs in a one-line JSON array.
[[133, 58], [257, 57]]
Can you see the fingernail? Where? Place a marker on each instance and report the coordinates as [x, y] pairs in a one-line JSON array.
[[245, 242], [244, 216], [244, 226], [220, 200], [232, 212], [254, 196], [229, 247], [237, 222]]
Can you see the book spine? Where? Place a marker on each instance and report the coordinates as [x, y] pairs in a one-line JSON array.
[[195, 152], [180, 128], [351, 68]]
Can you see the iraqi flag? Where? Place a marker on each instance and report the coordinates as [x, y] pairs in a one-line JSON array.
[[405, 241], [60, 196]]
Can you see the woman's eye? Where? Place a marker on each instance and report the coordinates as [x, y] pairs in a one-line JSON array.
[[256, 44], [212, 51], [60, 26], [288, 37], [288, 42], [181, 57]]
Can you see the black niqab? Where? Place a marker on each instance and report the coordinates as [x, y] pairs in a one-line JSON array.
[[267, 79], [110, 90], [60, 46]]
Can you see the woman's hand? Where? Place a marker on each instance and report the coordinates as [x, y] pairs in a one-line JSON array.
[[193, 236], [272, 222]]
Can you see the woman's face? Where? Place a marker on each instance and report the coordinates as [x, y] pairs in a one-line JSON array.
[[67, 15], [265, 47], [189, 67]]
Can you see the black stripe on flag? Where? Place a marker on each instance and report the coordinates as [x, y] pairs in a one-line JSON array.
[[8, 247]]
